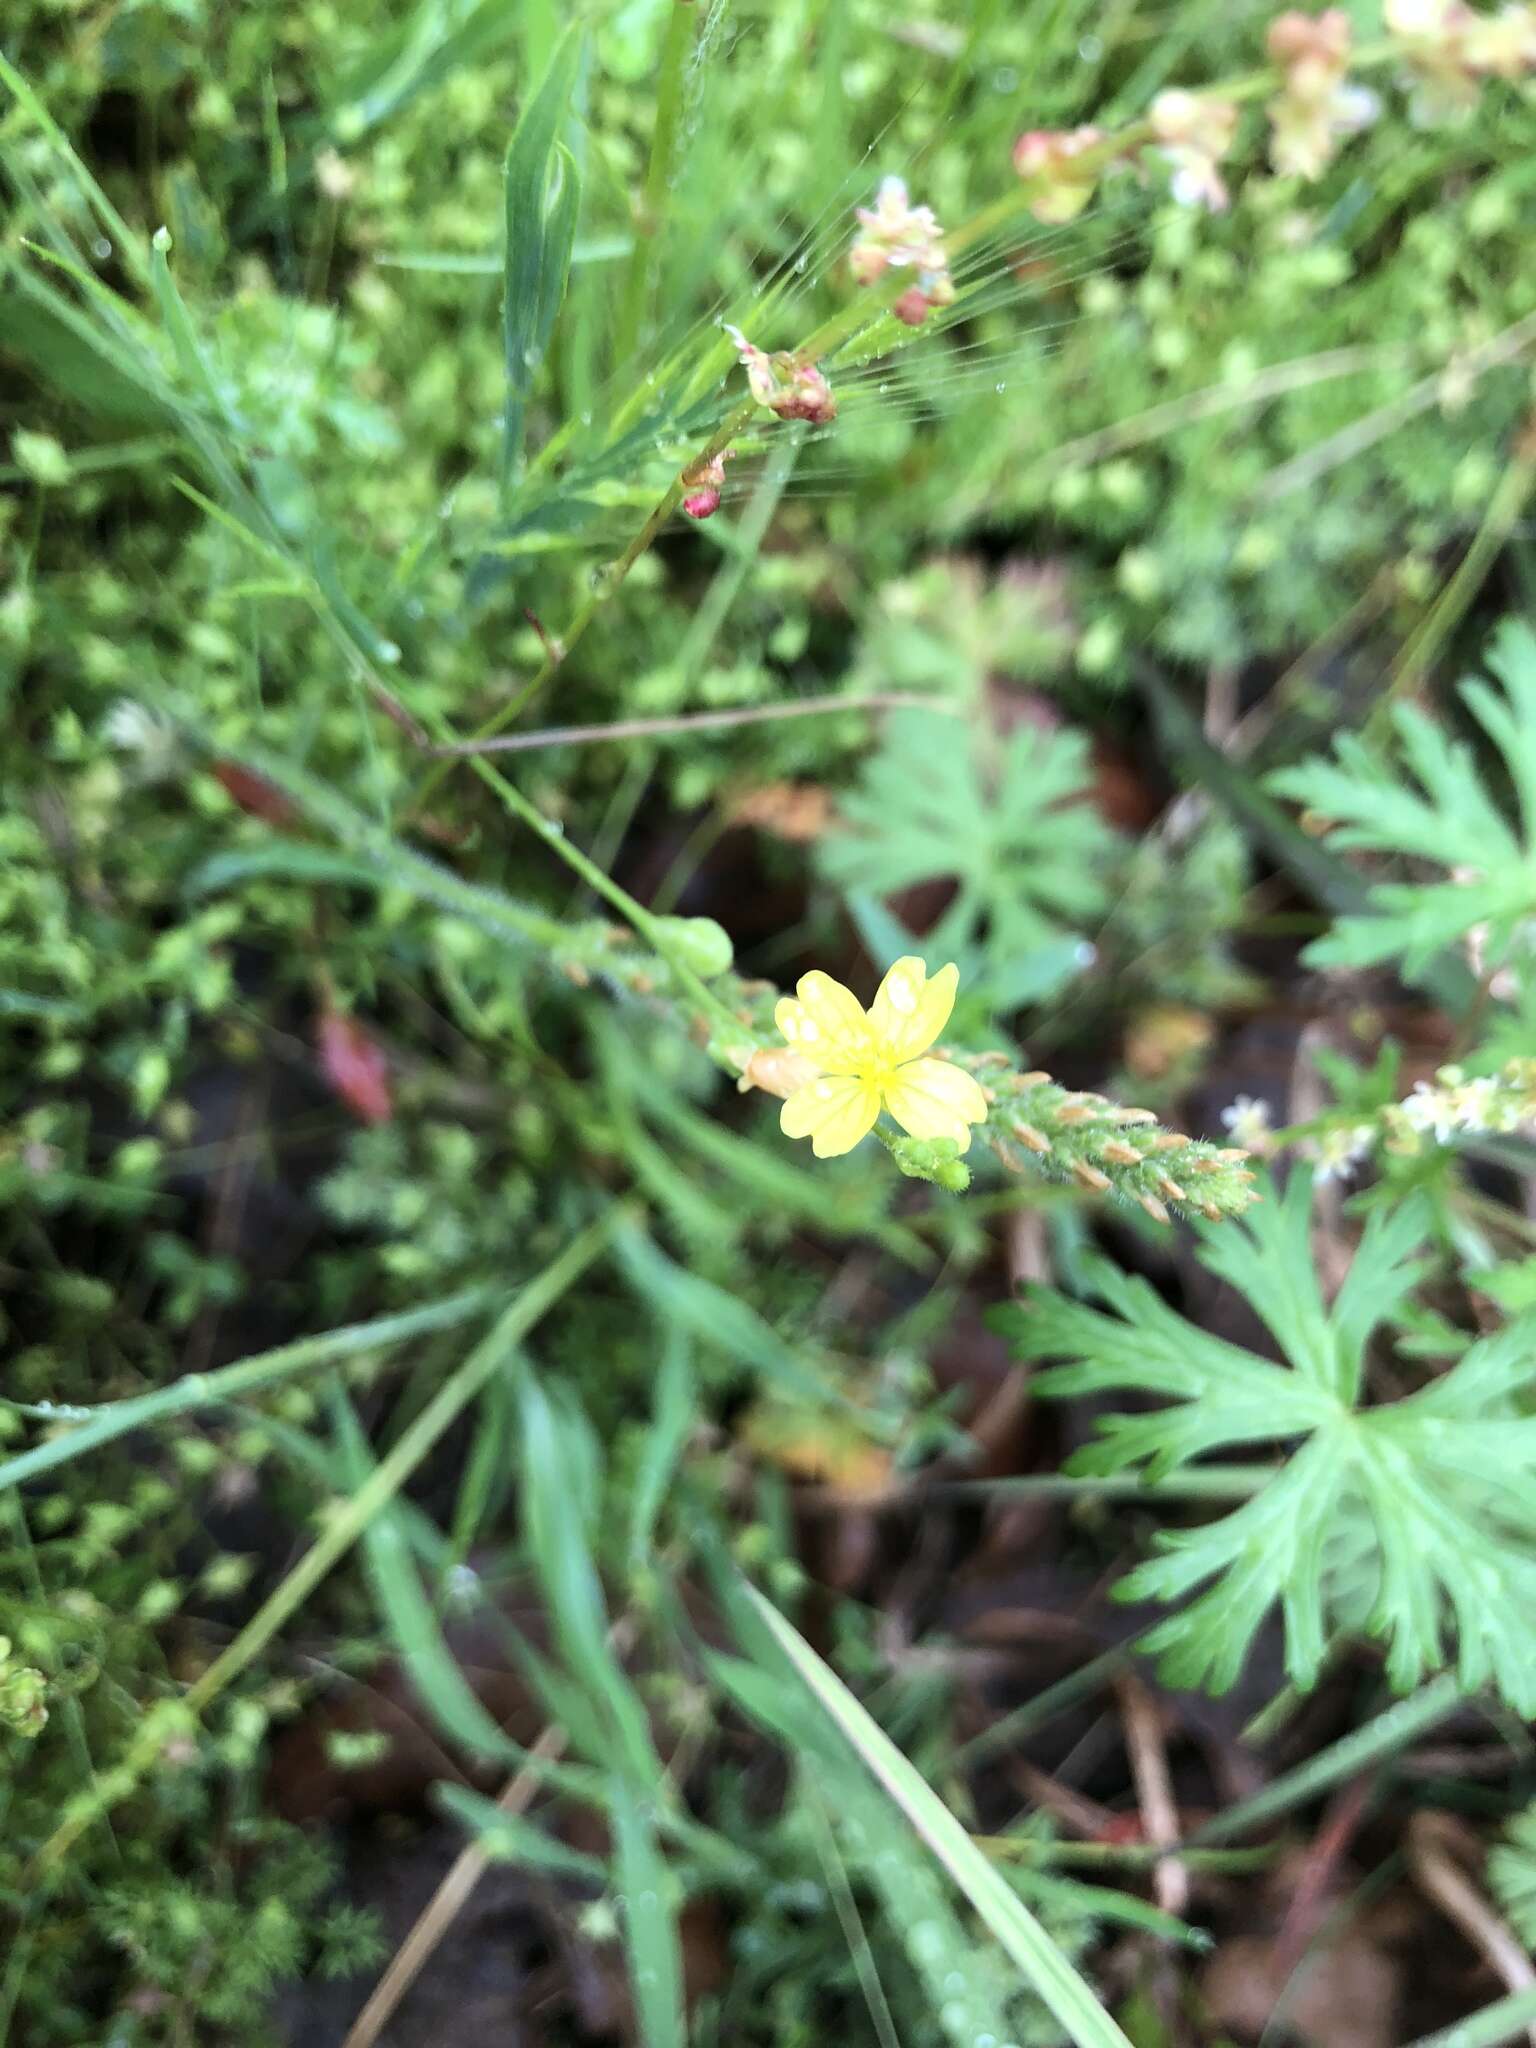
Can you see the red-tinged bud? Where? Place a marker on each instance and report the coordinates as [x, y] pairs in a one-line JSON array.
[[792, 389], [704, 481], [1045, 157], [257, 797], [354, 1067], [807, 396], [912, 307]]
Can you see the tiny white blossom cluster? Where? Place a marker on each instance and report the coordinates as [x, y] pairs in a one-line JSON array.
[[1249, 1121], [1451, 1104]]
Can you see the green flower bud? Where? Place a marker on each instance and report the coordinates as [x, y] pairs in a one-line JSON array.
[[698, 942], [935, 1159]]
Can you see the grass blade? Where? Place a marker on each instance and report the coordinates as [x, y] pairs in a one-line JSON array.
[[509, 1838], [1008, 1920], [650, 1923], [234, 1382], [430, 1665], [542, 194], [552, 1483]]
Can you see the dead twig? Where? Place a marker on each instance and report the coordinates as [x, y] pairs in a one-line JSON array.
[[435, 1918], [1154, 1789]]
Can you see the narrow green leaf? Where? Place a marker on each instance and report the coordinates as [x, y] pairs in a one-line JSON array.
[[672, 1418], [1007, 1918], [234, 1382], [510, 1838], [487, 1473], [649, 1920], [542, 196], [401, 1599], [718, 1318], [1373, 1744], [553, 1484]]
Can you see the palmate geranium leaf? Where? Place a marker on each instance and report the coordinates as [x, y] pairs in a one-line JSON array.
[[1428, 1502], [1026, 854], [1436, 804]]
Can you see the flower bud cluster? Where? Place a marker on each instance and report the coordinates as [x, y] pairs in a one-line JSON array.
[[786, 385], [896, 235]]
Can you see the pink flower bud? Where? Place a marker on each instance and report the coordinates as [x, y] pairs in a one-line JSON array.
[[807, 396], [868, 262], [792, 389], [761, 381], [1045, 157], [912, 307], [704, 481]]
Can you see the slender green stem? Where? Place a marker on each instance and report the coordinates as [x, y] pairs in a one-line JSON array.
[[1373, 1744], [233, 1382], [1119, 1855], [1504, 508], [635, 295], [1206, 1482], [341, 1531], [651, 929]]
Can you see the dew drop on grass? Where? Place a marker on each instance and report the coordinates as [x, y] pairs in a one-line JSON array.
[[101, 248], [1090, 49], [389, 653]]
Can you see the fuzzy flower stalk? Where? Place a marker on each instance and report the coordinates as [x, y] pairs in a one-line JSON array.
[[896, 235]]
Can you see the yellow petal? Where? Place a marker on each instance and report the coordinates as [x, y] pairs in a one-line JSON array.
[[910, 1011], [932, 1099], [834, 1113], [827, 1023]]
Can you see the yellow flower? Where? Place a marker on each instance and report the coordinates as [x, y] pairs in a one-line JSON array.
[[863, 1061]]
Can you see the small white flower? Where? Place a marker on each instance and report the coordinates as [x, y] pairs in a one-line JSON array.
[[1248, 1120], [1340, 1152], [132, 728]]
